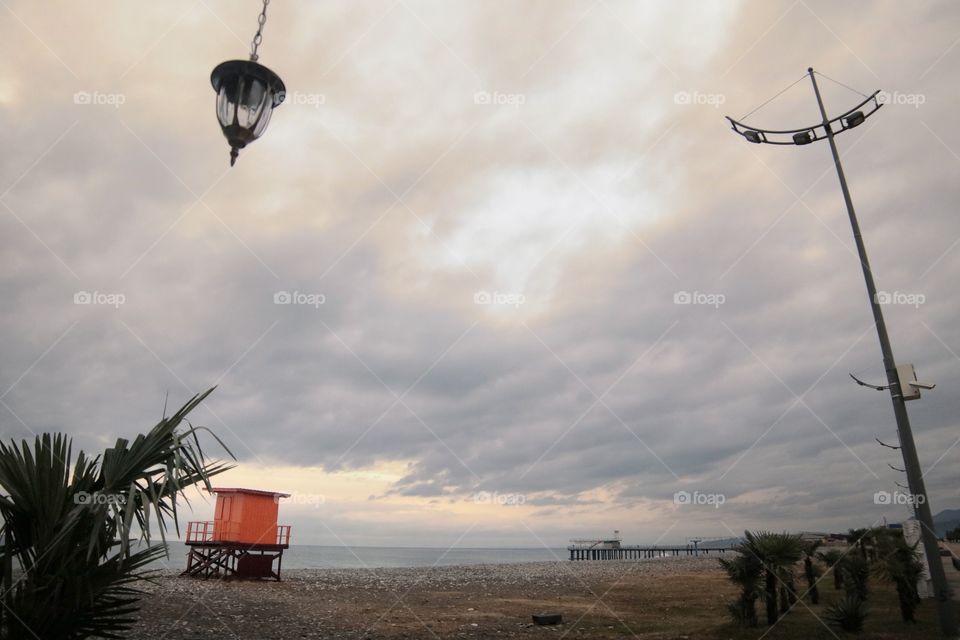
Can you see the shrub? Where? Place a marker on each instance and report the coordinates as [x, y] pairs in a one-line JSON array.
[[847, 613]]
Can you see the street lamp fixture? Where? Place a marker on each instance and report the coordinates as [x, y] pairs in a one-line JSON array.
[[901, 381], [805, 135], [855, 119], [247, 94]]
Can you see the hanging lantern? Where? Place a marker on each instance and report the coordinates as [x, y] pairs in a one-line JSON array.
[[247, 94]]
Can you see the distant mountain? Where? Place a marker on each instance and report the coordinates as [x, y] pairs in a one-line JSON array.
[[946, 520]]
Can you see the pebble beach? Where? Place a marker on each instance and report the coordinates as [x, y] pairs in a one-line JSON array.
[[609, 599]]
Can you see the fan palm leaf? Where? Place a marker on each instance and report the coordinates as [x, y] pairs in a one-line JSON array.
[[71, 524]]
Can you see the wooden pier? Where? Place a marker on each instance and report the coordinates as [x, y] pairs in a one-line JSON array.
[[613, 549], [639, 552]]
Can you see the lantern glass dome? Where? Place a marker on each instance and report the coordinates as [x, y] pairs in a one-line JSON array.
[[247, 94]]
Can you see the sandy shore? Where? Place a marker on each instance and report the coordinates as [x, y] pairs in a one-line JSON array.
[[597, 600]]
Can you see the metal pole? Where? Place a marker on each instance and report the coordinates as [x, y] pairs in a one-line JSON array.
[[948, 623]]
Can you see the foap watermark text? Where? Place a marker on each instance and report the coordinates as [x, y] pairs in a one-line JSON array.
[[309, 499], [697, 498], [914, 100], [699, 298], [97, 98], [299, 298], [699, 98], [99, 298], [498, 99], [900, 297], [502, 499], [499, 298], [315, 100], [86, 497], [897, 498]]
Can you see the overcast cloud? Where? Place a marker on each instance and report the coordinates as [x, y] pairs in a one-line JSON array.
[[497, 204]]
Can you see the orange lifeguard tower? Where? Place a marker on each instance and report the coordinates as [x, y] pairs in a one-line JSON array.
[[242, 541]]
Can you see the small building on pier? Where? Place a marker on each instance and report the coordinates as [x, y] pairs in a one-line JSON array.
[[598, 543]]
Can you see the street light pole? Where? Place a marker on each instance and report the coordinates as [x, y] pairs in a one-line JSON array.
[[896, 379], [911, 462]]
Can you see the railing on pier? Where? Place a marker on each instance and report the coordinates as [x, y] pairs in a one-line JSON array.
[[638, 552]]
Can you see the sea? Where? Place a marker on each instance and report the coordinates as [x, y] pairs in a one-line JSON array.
[[339, 557]]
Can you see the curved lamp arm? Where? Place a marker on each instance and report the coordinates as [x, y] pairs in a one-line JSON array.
[[805, 135]]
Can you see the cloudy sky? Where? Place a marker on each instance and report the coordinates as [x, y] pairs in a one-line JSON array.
[[484, 215]]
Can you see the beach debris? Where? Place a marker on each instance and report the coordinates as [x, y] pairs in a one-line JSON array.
[[547, 618]]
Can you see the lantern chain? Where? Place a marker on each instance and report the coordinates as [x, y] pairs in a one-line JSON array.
[[258, 37]]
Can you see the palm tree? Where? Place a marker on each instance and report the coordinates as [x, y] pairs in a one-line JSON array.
[[745, 571], [856, 574], [900, 564], [810, 570], [859, 538], [68, 523], [777, 553], [831, 558], [755, 546]]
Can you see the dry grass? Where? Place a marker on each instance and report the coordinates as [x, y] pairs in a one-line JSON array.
[[685, 602], [694, 606]]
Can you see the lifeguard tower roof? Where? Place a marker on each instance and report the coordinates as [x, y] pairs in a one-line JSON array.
[[257, 492]]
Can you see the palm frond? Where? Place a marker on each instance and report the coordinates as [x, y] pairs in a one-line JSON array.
[[71, 524]]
